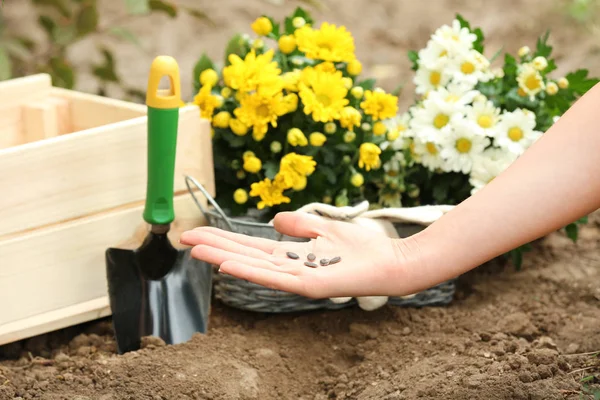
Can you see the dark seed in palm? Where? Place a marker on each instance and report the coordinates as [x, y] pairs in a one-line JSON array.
[[292, 255], [324, 261], [310, 264], [335, 260], [311, 257]]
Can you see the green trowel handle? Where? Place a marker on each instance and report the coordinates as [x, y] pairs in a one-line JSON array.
[[163, 120]]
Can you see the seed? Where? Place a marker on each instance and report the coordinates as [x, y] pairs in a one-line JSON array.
[[324, 261], [310, 264], [311, 257], [292, 255], [335, 260]]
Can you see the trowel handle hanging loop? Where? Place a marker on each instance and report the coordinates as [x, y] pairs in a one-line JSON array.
[[210, 199]]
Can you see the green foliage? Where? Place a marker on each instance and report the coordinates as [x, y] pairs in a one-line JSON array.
[[67, 22]]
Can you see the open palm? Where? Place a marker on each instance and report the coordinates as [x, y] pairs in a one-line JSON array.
[[371, 262]]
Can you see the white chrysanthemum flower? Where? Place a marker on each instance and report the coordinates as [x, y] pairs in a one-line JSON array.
[[486, 115], [470, 67], [427, 79], [433, 56], [530, 80], [515, 131], [427, 153], [454, 38], [460, 94], [432, 120], [459, 148], [487, 166]]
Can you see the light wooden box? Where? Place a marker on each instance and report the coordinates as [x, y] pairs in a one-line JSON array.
[[72, 184]]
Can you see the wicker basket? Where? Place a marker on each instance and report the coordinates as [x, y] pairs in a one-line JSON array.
[[249, 296]]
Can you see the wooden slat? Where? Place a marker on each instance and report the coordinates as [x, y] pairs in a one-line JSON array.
[[54, 320], [64, 266], [40, 121], [15, 92], [91, 111], [82, 173]]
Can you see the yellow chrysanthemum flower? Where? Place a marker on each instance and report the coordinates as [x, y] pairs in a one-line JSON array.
[[209, 77], [294, 168], [287, 44], [350, 117], [262, 26], [326, 66], [379, 105], [290, 80], [207, 102], [317, 139], [323, 94], [296, 137], [252, 164], [369, 156], [291, 101], [253, 71], [270, 193], [328, 43], [330, 128], [357, 180], [259, 109], [354, 67], [221, 120], [357, 92], [240, 196], [238, 127], [379, 128], [226, 92]]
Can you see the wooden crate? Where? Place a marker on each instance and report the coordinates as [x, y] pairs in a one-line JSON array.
[[72, 184]]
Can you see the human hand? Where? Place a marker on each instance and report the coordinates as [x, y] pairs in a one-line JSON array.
[[372, 264]]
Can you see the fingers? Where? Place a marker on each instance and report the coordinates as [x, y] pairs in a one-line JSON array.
[[197, 237], [301, 224], [193, 238], [266, 277]]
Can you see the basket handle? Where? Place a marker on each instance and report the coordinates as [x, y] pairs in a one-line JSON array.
[[209, 198]]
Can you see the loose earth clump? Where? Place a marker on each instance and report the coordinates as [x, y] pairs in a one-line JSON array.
[[507, 335]]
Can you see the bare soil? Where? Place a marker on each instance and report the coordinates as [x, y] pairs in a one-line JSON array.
[[508, 335]]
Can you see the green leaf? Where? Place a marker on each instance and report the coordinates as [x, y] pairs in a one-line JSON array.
[[413, 56], [60, 5], [200, 15], [17, 49], [516, 256], [271, 169], [367, 84], [87, 20], [202, 64], [572, 232], [542, 47], [137, 7], [125, 34], [496, 54], [62, 73], [106, 71], [478, 44], [166, 7], [47, 24], [64, 34], [463, 22], [5, 65], [579, 82], [329, 174], [235, 45]]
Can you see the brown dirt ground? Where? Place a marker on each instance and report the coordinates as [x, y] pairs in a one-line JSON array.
[[508, 335]]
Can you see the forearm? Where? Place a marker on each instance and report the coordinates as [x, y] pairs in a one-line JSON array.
[[553, 184]]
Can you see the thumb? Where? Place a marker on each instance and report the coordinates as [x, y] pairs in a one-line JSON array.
[[300, 224]]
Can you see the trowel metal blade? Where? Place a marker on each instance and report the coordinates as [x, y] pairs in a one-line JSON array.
[[173, 307]]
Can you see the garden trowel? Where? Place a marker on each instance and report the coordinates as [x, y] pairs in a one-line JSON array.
[[157, 289]]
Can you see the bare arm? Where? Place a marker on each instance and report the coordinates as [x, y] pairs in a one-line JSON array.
[[554, 183]]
